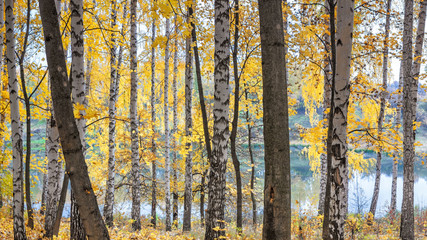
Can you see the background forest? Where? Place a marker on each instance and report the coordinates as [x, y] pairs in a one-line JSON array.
[[170, 98]]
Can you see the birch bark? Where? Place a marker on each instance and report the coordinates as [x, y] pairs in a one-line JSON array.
[[188, 191], [217, 182], [16, 136], [338, 170], [136, 177], [167, 129]]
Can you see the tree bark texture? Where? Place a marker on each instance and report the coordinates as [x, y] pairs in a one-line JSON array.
[[167, 130], [175, 129], [54, 174], [338, 170], [69, 134], [327, 92], [109, 196], [381, 114], [217, 180], [188, 190], [16, 136], [78, 87], [153, 127], [234, 124], [277, 185], [136, 176]]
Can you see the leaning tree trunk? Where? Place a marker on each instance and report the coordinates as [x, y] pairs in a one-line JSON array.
[[77, 230], [381, 114], [67, 127], [218, 162], [277, 188], [28, 120], [136, 179], [235, 122], [16, 136], [109, 195], [175, 129], [338, 170], [153, 127], [188, 190]]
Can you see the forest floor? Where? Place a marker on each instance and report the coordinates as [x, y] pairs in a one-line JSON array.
[[303, 228]]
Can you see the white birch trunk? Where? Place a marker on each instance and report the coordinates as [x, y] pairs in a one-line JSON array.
[[16, 136], [136, 178], [54, 172], [167, 142], [188, 190], [175, 129], [109, 195], [339, 170], [79, 97], [153, 127], [217, 180]]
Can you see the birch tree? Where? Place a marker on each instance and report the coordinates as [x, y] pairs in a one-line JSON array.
[[16, 136], [79, 97], [337, 167], [136, 178], [67, 127], [218, 162], [109, 196], [153, 127], [277, 189], [167, 129], [175, 129], [188, 191]]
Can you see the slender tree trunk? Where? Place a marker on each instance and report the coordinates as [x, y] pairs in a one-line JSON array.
[[153, 126], [28, 121], [188, 191], [251, 157], [218, 162], [77, 230], [327, 92], [199, 84], [109, 196], [16, 136], [54, 169], [235, 122], [61, 204], [67, 127], [381, 114], [3, 88], [338, 170], [167, 131], [175, 129], [202, 198], [136, 178], [277, 188]]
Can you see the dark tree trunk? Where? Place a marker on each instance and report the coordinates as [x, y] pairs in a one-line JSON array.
[[69, 134], [61, 203], [277, 185], [28, 121], [235, 122], [251, 157]]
